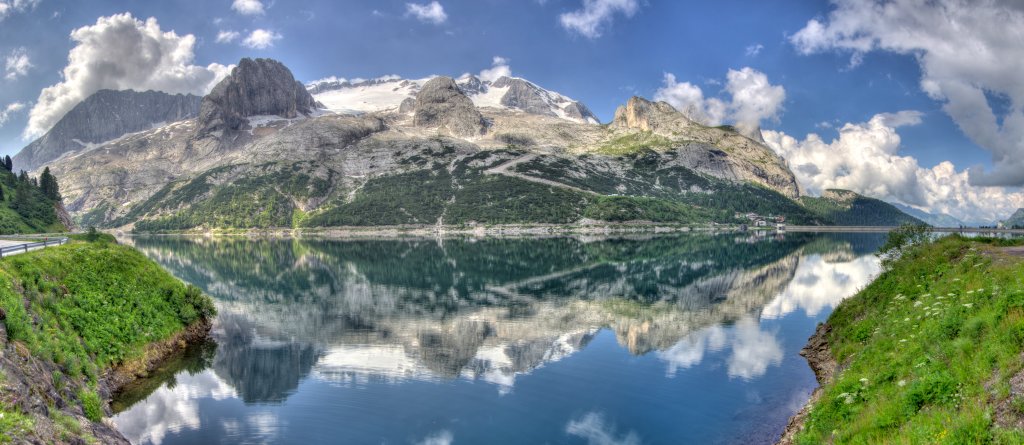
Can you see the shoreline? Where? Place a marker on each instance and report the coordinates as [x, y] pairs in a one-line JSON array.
[[819, 358]]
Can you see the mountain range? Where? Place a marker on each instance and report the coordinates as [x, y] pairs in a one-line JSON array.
[[262, 150]]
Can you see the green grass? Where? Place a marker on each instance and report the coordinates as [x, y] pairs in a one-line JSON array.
[[632, 143], [87, 306], [928, 349]]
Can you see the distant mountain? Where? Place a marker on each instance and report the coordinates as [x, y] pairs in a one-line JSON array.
[[389, 93], [441, 151], [846, 208], [936, 220], [104, 116], [1016, 220]]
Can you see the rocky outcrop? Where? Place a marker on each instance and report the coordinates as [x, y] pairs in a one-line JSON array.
[[1015, 220], [440, 104], [106, 115], [657, 117], [526, 96], [255, 87]]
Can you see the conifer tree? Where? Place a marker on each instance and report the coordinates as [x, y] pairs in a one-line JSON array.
[[8, 163], [48, 184]]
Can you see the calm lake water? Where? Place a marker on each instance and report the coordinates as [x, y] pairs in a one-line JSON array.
[[638, 340]]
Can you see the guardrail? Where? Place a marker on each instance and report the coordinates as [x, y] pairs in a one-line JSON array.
[[22, 248]]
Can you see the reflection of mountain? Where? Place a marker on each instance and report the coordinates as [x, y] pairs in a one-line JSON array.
[[484, 309]]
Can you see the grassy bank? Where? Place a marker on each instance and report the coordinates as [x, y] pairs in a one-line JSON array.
[[70, 315], [930, 352]]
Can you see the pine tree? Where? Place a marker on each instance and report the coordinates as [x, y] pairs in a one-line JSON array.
[[48, 183], [1, 195], [8, 163], [23, 177]]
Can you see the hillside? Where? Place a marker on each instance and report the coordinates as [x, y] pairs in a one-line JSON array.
[[78, 321], [930, 352], [30, 205], [846, 208], [1016, 220], [935, 220]]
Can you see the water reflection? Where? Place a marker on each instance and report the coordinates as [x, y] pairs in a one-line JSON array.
[[358, 314]]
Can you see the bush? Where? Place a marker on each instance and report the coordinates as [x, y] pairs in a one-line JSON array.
[[92, 406]]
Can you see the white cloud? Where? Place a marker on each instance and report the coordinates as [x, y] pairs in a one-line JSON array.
[[596, 430], [443, 437], [499, 68], [8, 7], [120, 52], [17, 64], [227, 36], [431, 12], [969, 51], [753, 100], [595, 14], [6, 112], [865, 158], [261, 39], [822, 282], [753, 350], [754, 49], [248, 7]]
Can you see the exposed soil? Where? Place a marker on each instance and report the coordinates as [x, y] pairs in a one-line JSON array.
[[819, 357]]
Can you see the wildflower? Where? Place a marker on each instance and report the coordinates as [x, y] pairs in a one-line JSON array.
[[968, 305], [902, 383], [917, 303]]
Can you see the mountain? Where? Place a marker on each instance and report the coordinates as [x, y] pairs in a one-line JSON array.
[[936, 220], [103, 116], [389, 93], [846, 208], [1016, 220], [261, 153]]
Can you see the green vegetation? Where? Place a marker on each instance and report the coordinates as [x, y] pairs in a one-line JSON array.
[[634, 142], [846, 208], [92, 406], [929, 350], [27, 204], [88, 306], [622, 208]]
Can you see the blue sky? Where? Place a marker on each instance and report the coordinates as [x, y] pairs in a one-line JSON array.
[[698, 42]]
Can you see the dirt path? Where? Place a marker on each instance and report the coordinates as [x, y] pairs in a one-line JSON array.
[[504, 169]]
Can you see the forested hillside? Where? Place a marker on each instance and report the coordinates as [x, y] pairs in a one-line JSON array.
[[28, 204]]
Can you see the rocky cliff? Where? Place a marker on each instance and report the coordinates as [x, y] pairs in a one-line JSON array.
[[1015, 220], [441, 105], [103, 116], [256, 87]]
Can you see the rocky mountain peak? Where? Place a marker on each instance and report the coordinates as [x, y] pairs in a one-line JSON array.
[[103, 116], [255, 87], [642, 114], [839, 195], [1017, 219], [441, 104]]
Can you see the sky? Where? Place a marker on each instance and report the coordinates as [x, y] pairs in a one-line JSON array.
[[918, 102]]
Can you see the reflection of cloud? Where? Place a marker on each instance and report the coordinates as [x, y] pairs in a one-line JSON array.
[[593, 427], [443, 437], [819, 284], [752, 350], [690, 350], [168, 409]]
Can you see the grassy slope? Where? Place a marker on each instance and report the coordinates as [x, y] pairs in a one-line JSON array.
[[36, 217], [86, 306], [928, 349]]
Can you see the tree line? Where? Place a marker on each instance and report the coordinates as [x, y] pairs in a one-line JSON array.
[[27, 203]]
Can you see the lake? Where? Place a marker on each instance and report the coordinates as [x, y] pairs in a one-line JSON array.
[[577, 340]]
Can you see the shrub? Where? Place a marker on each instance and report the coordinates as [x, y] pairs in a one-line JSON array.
[[91, 405]]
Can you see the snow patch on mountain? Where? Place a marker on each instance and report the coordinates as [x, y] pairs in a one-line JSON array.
[[359, 96]]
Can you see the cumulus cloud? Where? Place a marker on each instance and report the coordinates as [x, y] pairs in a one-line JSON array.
[[248, 7], [865, 158], [589, 21], [499, 68], [754, 50], [969, 77], [752, 350], [6, 112], [596, 430], [261, 39], [431, 12], [8, 7], [17, 64], [821, 282], [753, 99], [443, 437], [227, 36], [121, 52]]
